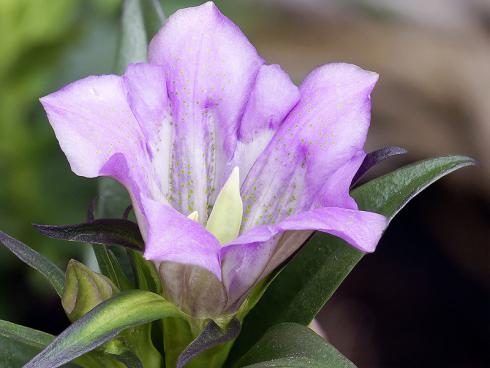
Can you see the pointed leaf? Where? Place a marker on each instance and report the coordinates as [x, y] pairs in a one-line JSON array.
[[133, 42], [101, 324], [374, 158], [147, 277], [18, 344], [110, 267], [293, 345], [120, 232], [32, 258], [25, 335], [153, 15], [305, 284], [211, 336], [129, 359]]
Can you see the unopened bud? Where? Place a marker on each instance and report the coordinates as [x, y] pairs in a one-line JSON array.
[[84, 289]]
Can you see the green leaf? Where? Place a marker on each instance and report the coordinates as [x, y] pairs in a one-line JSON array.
[[119, 232], [112, 202], [25, 335], [293, 345], [101, 324], [129, 359], [110, 267], [147, 277], [374, 158], [153, 15], [133, 42], [311, 277], [18, 344], [32, 258], [212, 336], [14, 354]]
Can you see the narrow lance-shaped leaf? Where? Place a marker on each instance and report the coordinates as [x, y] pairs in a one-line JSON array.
[[25, 335], [293, 345], [211, 336], [109, 266], [153, 15], [306, 283], [101, 324], [129, 359], [374, 158], [107, 261], [120, 232], [133, 41], [18, 344], [32, 258]]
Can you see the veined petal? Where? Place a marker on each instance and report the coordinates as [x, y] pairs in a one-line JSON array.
[[98, 133], [211, 68], [335, 190], [92, 121], [272, 98], [257, 252], [325, 131], [173, 237], [147, 97]]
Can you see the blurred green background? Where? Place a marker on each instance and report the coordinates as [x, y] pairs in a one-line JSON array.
[[431, 273]]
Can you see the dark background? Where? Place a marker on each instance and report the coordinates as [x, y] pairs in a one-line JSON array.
[[422, 300]]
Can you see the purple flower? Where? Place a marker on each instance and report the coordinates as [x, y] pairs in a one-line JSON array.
[[204, 111]]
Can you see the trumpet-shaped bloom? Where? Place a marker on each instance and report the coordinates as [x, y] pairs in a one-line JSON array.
[[229, 165]]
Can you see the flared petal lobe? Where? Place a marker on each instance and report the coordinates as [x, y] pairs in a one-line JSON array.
[[259, 251], [272, 98], [176, 238], [92, 121], [211, 68], [325, 131]]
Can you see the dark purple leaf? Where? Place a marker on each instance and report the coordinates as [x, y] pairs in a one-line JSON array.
[[374, 158], [211, 336], [120, 232]]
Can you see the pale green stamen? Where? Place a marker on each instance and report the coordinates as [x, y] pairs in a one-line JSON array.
[[194, 216], [226, 217]]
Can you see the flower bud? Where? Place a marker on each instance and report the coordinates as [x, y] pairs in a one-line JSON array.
[[84, 289]]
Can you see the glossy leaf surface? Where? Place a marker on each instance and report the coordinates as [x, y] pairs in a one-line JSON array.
[[293, 345], [119, 232]]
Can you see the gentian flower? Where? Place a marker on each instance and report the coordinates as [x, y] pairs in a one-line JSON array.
[[229, 165]]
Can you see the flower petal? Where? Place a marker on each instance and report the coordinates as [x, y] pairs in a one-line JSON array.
[[147, 96], [272, 98], [92, 121], [173, 237], [325, 131], [257, 252], [97, 130], [211, 68]]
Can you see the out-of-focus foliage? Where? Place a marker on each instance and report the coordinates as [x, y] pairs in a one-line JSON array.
[[43, 45]]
